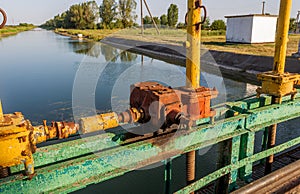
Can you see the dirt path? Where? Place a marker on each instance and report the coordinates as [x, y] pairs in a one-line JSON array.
[[238, 67]]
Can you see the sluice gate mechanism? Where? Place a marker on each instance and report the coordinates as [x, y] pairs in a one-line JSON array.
[[72, 165]]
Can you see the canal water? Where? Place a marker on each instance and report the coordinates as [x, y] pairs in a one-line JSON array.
[[48, 76]]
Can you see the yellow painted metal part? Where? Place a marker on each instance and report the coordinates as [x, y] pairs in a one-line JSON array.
[[99, 122], [16, 142], [282, 36], [193, 46], [1, 112], [18, 138], [278, 83]]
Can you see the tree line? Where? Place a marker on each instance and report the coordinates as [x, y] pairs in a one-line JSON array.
[[116, 14], [88, 15], [169, 19]]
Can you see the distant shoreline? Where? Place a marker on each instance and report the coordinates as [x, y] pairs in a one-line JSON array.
[[239, 67], [13, 30]]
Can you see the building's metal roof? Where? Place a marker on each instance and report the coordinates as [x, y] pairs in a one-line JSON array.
[[251, 15]]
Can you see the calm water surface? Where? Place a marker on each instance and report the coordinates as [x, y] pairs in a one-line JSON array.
[[39, 70]]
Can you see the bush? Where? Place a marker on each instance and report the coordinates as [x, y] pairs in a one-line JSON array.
[[213, 32]]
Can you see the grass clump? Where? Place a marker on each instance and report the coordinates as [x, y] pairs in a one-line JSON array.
[[12, 30]]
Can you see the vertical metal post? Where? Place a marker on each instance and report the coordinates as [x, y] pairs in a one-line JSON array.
[[151, 17], [193, 45], [1, 112], [192, 69], [264, 143], [263, 8], [142, 18], [282, 36], [234, 157], [168, 176], [298, 24], [246, 150], [224, 158], [279, 66]]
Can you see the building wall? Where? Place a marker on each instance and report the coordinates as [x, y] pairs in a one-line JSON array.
[[264, 29], [251, 29], [239, 29]]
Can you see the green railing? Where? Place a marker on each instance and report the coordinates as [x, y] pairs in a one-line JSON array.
[[73, 165]]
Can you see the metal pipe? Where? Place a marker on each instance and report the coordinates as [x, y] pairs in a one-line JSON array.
[[271, 139], [193, 45], [142, 18], [1, 112], [151, 17], [192, 69], [263, 8], [282, 36], [190, 166], [279, 180], [279, 66]]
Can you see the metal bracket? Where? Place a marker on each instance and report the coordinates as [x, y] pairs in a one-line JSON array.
[[198, 6], [4, 18]]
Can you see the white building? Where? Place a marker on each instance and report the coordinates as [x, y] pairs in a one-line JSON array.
[[255, 28]]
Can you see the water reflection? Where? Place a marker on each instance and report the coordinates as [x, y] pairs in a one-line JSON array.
[[38, 80], [95, 49]]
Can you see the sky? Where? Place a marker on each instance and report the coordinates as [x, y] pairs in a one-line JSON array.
[[39, 11]]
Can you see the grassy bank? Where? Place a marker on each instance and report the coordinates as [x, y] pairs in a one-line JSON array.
[[12, 30], [213, 40], [95, 35]]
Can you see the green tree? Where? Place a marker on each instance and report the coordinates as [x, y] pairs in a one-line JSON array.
[[91, 14], [58, 21], [82, 16], [218, 25], [172, 15], [181, 26], [126, 12], [157, 20], [164, 20], [293, 25], [206, 24], [147, 20], [108, 13]]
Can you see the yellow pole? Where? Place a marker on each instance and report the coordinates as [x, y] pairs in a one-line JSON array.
[[282, 36], [279, 66], [1, 112], [193, 45], [192, 69]]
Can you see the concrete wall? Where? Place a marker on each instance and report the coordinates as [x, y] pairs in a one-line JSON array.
[[239, 29], [251, 29], [264, 29]]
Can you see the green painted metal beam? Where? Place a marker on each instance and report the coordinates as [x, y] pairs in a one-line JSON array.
[[71, 149], [223, 171], [64, 172]]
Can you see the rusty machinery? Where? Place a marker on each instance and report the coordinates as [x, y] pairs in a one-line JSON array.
[[159, 105], [150, 103], [4, 18]]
